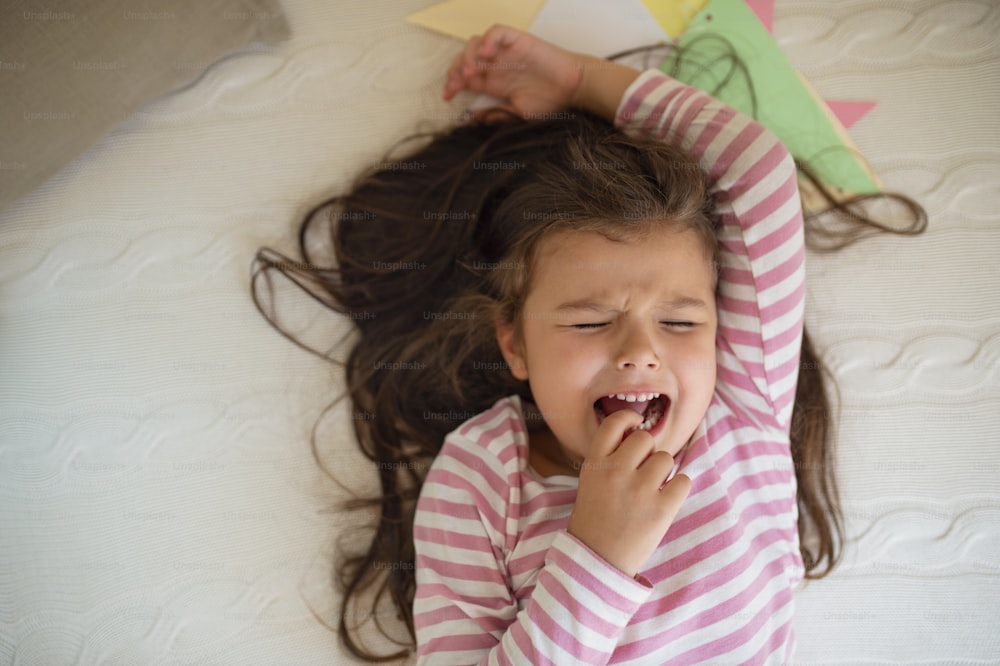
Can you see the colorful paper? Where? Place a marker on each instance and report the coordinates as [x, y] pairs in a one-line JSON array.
[[465, 18], [674, 15], [597, 27], [786, 103]]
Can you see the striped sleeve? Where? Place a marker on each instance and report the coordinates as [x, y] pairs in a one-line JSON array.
[[754, 187], [464, 609]]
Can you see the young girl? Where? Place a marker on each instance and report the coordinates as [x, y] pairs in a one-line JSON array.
[[587, 311], [578, 541]]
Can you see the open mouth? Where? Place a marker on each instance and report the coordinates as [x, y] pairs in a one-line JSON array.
[[653, 407]]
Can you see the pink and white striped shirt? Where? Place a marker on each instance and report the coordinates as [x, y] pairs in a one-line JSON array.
[[499, 580]]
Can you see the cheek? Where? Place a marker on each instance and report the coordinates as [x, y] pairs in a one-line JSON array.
[[580, 360], [698, 371], [565, 354]]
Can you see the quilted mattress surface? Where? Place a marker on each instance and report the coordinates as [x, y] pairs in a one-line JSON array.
[[159, 501]]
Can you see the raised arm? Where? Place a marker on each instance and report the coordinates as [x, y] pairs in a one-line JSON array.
[[762, 254]]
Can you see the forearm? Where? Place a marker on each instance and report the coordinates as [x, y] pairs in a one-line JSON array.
[[578, 608], [602, 85]]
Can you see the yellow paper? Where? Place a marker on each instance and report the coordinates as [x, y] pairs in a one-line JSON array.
[[674, 15], [465, 18]]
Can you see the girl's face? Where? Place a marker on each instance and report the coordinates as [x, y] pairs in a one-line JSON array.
[[630, 319]]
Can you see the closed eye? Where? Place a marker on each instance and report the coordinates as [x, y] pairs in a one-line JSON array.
[[596, 325]]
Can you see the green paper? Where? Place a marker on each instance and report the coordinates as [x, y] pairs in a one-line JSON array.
[[784, 104]]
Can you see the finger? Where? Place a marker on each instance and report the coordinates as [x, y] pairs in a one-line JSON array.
[[635, 449], [611, 432], [476, 82], [469, 56], [496, 37], [656, 468], [453, 81], [495, 113], [462, 67], [674, 494]]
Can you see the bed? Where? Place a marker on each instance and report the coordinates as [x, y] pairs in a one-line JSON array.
[[160, 500]]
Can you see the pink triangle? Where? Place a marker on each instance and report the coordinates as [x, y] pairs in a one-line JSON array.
[[764, 9], [848, 113]]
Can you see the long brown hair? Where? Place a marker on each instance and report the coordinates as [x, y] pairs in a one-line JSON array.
[[430, 247]]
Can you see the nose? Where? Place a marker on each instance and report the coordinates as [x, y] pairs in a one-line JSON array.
[[637, 350]]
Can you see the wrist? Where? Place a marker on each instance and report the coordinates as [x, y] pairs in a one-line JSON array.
[[577, 97], [601, 85], [602, 551]]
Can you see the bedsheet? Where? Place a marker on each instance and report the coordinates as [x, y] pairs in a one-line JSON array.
[[159, 501]]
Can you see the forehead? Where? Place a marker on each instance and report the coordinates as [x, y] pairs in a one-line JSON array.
[[588, 261]]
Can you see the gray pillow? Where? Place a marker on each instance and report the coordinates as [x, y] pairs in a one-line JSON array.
[[70, 72]]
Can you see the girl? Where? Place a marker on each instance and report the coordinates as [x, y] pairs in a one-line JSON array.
[[594, 297], [530, 542]]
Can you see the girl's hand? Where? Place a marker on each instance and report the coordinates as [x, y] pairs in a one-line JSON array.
[[534, 76], [623, 509]]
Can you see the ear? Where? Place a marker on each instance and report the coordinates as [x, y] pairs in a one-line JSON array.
[[510, 347]]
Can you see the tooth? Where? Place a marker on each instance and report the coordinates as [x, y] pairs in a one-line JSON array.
[[643, 397], [630, 398]]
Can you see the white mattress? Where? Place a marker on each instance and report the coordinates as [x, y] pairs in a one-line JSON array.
[[160, 503]]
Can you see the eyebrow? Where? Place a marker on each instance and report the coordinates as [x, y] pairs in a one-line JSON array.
[[673, 304]]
